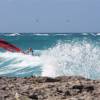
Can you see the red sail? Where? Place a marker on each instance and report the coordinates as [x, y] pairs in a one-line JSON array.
[[5, 45]]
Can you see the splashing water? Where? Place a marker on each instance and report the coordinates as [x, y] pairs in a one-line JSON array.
[[72, 59], [17, 64], [63, 59]]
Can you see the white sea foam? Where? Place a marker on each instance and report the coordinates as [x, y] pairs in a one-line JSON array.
[[72, 59], [16, 62], [84, 33], [41, 34], [82, 59], [63, 34], [98, 33], [11, 34]]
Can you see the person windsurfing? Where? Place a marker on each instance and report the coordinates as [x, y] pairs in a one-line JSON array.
[[12, 48], [29, 51]]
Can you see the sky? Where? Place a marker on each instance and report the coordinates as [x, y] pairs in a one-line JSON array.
[[49, 16]]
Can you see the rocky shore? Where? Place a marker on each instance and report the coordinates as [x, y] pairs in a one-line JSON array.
[[45, 88]]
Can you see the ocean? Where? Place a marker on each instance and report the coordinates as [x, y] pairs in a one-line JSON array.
[[55, 54]]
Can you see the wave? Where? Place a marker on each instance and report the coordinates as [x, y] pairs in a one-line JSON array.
[[11, 34], [98, 33], [48, 34], [16, 64], [75, 59], [41, 34], [72, 59]]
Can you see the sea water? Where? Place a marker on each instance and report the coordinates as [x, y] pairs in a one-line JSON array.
[[55, 54]]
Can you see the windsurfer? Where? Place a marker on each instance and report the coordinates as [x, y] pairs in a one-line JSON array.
[[29, 51]]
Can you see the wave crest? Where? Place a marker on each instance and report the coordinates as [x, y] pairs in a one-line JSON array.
[[74, 58]]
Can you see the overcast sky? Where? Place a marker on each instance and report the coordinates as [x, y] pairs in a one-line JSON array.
[[49, 15]]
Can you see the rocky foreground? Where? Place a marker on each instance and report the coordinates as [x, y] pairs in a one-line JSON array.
[[44, 88]]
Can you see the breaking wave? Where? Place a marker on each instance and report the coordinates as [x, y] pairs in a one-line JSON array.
[[74, 58]]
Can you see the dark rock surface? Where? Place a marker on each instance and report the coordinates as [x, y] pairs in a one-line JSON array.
[[45, 88]]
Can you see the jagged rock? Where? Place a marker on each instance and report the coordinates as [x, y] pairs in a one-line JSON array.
[[45, 88]]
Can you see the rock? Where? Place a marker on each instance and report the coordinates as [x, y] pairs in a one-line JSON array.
[[45, 88], [89, 88], [67, 93], [46, 79], [79, 87], [33, 96]]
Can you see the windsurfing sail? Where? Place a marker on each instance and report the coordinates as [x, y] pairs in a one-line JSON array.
[[7, 46]]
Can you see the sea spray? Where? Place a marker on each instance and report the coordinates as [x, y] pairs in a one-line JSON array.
[[72, 59], [54, 55], [17, 64]]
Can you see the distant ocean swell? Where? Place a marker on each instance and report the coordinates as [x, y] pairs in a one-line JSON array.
[[54, 55]]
